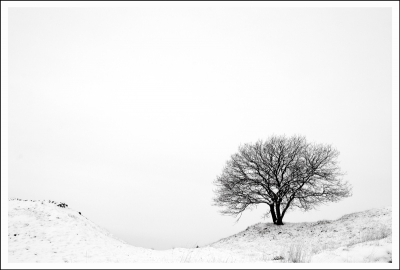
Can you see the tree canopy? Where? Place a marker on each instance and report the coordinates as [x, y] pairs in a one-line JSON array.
[[284, 173]]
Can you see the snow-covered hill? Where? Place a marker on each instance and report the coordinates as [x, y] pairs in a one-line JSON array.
[[359, 237], [41, 231], [44, 231]]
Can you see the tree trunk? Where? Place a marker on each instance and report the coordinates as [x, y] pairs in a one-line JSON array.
[[278, 214], [271, 207]]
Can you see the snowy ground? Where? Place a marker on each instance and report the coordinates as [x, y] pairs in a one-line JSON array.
[[41, 231], [359, 237]]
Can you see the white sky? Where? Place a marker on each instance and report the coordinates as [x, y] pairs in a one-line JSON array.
[[129, 114]]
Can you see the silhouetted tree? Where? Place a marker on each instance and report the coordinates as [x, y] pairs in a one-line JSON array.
[[283, 173]]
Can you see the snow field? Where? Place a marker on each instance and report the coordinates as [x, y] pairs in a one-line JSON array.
[[41, 231]]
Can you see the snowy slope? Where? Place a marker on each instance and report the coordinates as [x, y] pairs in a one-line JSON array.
[[358, 237], [41, 231]]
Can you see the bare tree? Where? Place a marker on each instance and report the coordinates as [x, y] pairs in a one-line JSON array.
[[283, 173]]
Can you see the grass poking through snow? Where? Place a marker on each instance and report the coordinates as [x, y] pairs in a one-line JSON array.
[[371, 234], [296, 253]]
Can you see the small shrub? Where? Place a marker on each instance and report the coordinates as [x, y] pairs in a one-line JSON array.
[[62, 205], [322, 222], [278, 258], [297, 253]]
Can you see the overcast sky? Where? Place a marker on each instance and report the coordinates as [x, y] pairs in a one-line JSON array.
[[129, 114]]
